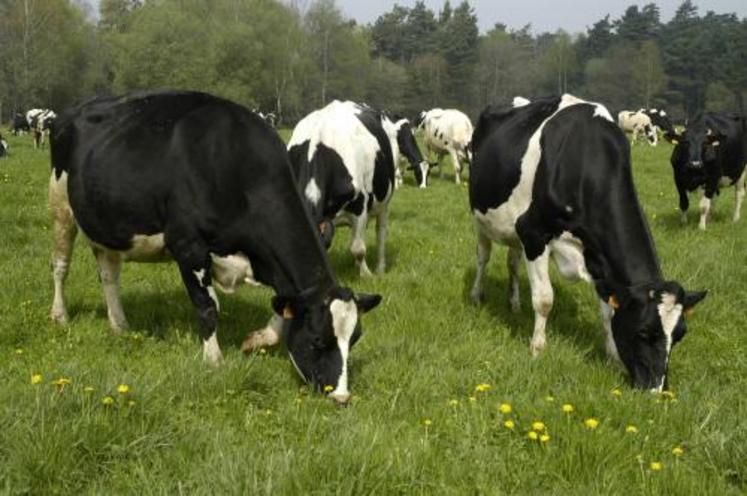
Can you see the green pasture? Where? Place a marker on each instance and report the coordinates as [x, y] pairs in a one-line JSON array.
[[428, 376]]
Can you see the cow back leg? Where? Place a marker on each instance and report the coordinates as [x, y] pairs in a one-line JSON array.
[[484, 247], [358, 244], [382, 228], [607, 313], [457, 165], [739, 189], [267, 336], [64, 231], [194, 262], [110, 266], [542, 298], [513, 262]]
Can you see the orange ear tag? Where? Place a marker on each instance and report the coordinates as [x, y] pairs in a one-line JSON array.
[[287, 313], [612, 301]]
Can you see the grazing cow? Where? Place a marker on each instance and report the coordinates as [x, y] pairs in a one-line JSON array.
[[3, 147], [660, 121], [200, 180], [344, 157], [409, 152], [553, 179], [42, 125], [19, 125], [447, 132], [710, 153], [637, 123]]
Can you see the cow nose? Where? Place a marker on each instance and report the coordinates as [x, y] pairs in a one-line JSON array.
[[340, 398], [696, 163]]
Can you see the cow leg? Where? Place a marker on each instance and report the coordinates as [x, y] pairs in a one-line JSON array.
[[398, 180], [684, 204], [382, 222], [110, 266], [358, 244], [484, 247], [457, 165], [265, 337], [542, 298], [739, 189], [706, 205], [65, 229], [514, 262], [607, 313]]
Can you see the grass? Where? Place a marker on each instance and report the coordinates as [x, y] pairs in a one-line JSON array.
[[250, 427]]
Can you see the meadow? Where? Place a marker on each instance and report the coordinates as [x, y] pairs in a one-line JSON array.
[[433, 377]]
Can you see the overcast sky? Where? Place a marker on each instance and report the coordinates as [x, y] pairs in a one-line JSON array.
[[544, 15]]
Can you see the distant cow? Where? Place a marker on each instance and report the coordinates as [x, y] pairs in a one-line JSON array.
[[19, 125], [637, 123], [447, 132], [3, 147], [660, 120], [552, 179], [269, 117], [409, 151], [190, 177], [710, 153], [42, 125], [344, 157]]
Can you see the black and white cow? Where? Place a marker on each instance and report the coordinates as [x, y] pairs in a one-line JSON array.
[[447, 132], [344, 157], [19, 125], [660, 121], [710, 153], [409, 152], [638, 123], [42, 125], [3, 147], [200, 180], [552, 179], [270, 118]]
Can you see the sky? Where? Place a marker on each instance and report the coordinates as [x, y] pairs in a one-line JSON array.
[[544, 15]]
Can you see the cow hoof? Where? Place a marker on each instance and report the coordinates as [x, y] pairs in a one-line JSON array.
[[60, 318], [702, 227], [515, 306], [213, 359], [536, 348]]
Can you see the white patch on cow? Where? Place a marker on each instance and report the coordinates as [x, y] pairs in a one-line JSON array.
[[520, 101], [200, 275], [424, 171], [568, 253], [705, 212], [669, 312], [312, 192], [601, 111], [211, 350], [231, 271], [662, 113], [4, 145], [344, 320], [147, 248], [654, 111], [214, 297]]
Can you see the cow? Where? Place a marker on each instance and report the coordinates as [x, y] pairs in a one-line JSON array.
[[638, 123], [193, 178], [344, 157], [552, 179], [269, 117], [42, 125], [3, 147], [711, 153], [660, 121], [409, 152], [447, 132], [19, 125]]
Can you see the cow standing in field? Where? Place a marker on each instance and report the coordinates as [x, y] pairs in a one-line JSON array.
[[637, 123], [447, 132], [660, 121], [19, 125], [42, 125], [3, 147], [409, 151], [190, 177], [552, 179], [711, 153], [344, 157]]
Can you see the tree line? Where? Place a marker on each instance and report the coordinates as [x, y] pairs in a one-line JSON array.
[[293, 56]]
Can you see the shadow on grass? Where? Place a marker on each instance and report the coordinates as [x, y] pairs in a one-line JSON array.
[[343, 264]]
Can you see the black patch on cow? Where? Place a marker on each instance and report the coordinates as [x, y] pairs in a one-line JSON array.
[[383, 180]]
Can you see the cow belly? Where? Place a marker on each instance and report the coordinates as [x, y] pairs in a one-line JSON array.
[[499, 224], [568, 253], [147, 249]]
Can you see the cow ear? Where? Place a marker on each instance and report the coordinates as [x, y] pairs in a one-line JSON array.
[[367, 302], [692, 299], [283, 307]]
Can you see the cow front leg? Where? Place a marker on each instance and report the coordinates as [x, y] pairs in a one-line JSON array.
[[382, 223], [358, 244], [739, 190], [457, 165], [484, 248], [684, 204], [542, 298], [110, 266], [265, 337], [607, 313], [513, 262], [706, 204], [65, 230]]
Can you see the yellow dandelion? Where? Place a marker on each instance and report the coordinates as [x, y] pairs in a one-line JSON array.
[[107, 400], [678, 451], [509, 424], [88, 389], [544, 438], [505, 408], [328, 388], [131, 403], [591, 423], [639, 458], [631, 429], [62, 382], [532, 435], [656, 466], [550, 399], [473, 399], [538, 426], [667, 395], [567, 408], [19, 351], [37, 379], [123, 389], [617, 392], [453, 402], [427, 422], [481, 388]]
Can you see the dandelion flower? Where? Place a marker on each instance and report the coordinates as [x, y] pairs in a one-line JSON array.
[[481, 388], [631, 429], [532, 435], [678, 451], [667, 395], [123, 389], [639, 458], [107, 400], [538, 426], [591, 423], [509, 424], [617, 392], [567, 408], [37, 379], [88, 389], [505, 408], [656, 466], [550, 399], [328, 388], [473, 399], [453, 402], [19, 351], [131, 403], [427, 422], [544, 438], [61, 382]]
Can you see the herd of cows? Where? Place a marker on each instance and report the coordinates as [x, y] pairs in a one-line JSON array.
[[199, 180]]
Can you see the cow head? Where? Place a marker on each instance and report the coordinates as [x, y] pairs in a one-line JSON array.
[[420, 120], [646, 325], [319, 336], [698, 143], [408, 146]]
